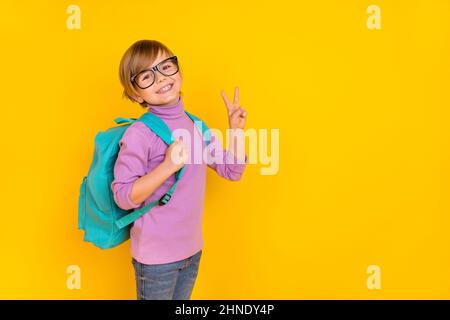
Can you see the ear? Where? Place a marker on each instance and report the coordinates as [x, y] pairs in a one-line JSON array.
[[138, 99]]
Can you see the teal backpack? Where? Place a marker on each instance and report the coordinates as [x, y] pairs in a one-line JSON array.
[[104, 223]]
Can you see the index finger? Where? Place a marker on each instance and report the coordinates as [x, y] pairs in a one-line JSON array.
[[225, 99], [236, 95]]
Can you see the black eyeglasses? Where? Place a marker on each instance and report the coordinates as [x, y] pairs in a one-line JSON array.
[[146, 78]]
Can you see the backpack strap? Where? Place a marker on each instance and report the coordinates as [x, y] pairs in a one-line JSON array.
[[120, 120], [159, 127], [203, 127], [163, 131], [131, 217]]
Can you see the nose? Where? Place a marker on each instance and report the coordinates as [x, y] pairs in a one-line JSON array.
[[159, 77]]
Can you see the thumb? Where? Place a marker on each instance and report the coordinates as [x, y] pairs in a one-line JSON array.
[[236, 113]]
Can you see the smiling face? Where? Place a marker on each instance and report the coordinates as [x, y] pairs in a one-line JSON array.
[[153, 94]]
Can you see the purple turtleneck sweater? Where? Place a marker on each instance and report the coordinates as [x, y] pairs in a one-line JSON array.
[[171, 232]]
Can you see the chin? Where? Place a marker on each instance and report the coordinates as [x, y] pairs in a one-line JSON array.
[[172, 99]]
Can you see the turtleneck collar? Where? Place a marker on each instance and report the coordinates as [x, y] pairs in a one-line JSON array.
[[171, 111]]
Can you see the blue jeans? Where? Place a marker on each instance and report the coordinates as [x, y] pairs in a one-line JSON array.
[[167, 281]]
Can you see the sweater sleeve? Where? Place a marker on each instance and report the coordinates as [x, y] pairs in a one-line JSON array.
[[130, 165], [224, 162]]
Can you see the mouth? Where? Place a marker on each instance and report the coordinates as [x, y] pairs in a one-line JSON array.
[[165, 89]]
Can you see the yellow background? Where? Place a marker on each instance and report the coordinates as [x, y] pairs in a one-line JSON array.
[[364, 175]]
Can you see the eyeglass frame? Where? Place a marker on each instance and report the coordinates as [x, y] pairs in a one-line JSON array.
[[154, 69]]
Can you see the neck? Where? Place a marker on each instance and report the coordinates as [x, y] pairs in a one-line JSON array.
[[167, 111]]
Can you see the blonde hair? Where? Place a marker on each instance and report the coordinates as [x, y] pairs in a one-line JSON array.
[[137, 57]]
